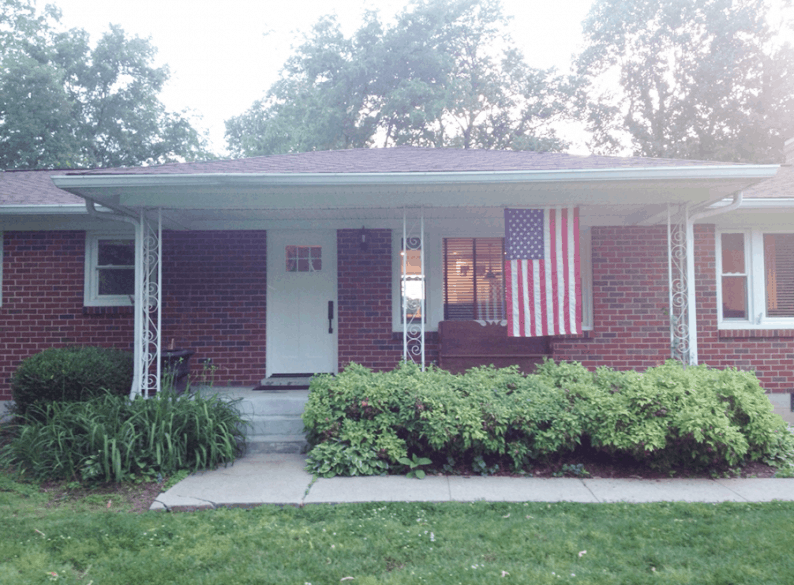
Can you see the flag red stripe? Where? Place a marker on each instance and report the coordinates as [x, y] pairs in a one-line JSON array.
[[566, 299], [552, 256]]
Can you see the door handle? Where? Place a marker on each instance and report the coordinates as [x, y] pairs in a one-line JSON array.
[[330, 316]]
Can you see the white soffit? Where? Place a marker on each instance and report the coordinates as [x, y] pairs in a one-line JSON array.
[[632, 186]]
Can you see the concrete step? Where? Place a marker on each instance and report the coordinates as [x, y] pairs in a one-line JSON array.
[[277, 403], [277, 444], [274, 425], [274, 416]]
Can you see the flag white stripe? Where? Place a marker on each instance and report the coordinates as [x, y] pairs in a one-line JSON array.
[[515, 291], [572, 254], [547, 265], [561, 289], [538, 324]]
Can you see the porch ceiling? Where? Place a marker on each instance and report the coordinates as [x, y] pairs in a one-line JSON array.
[[625, 195]]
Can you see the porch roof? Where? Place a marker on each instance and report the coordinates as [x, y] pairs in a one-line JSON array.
[[378, 183]]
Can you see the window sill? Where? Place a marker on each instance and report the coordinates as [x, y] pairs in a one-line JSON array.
[[755, 333], [106, 310]]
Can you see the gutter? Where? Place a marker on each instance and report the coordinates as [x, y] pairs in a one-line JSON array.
[[51, 209], [759, 172]]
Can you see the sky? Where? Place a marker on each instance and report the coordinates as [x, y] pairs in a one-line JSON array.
[[224, 55]]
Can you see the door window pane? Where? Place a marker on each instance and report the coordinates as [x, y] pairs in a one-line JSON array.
[[304, 258]]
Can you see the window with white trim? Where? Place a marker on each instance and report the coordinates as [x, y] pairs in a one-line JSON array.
[[755, 285], [109, 270], [463, 278]]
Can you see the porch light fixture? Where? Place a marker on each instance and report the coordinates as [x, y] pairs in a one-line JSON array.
[[363, 239]]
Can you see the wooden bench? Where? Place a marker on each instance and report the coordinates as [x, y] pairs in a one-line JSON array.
[[465, 344]]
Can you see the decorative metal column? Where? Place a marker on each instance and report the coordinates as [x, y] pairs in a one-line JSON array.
[[148, 315], [678, 260], [412, 289]]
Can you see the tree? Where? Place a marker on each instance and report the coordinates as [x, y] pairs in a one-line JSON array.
[[444, 74], [697, 79], [64, 103]]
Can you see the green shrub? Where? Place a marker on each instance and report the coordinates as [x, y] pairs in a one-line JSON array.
[[113, 438], [668, 416], [71, 374]]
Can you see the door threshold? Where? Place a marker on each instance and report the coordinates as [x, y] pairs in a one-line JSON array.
[[280, 382]]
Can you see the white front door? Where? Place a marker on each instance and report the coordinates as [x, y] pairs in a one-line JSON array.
[[301, 295]]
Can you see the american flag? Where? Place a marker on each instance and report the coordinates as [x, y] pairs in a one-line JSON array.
[[542, 285]]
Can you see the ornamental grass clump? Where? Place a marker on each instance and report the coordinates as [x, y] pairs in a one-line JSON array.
[[115, 439]]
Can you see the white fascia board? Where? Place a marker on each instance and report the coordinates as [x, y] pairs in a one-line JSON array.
[[759, 203], [725, 172], [50, 209]]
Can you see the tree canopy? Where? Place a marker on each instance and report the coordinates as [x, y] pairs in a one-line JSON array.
[[697, 79], [444, 74], [66, 103]]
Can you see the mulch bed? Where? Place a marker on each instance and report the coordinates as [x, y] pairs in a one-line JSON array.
[[602, 465]]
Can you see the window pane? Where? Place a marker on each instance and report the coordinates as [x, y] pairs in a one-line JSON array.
[[116, 253], [473, 280], [411, 279], [489, 281], [458, 279], [779, 274], [733, 253], [116, 281], [734, 297]]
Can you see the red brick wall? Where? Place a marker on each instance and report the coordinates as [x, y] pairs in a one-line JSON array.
[[43, 301], [365, 303], [214, 289], [630, 299], [213, 301]]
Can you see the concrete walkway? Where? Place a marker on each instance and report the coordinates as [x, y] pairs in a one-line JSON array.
[[273, 478]]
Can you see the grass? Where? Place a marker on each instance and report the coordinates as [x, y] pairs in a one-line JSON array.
[[88, 542]]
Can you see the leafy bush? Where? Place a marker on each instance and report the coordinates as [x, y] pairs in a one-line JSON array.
[[113, 438], [668, 416], [71, 374]]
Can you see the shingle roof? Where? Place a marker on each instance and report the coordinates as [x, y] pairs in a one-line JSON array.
[[33, 188], [36, 187], [781, 185], [404, 159]]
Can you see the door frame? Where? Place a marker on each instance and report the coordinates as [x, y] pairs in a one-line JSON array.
[[270, 334]]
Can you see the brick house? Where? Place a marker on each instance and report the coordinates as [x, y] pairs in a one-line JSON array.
[[306, 262]]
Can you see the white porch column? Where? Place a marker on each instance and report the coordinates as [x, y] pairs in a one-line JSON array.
[[681, 269], [148, 316], [413, 308]]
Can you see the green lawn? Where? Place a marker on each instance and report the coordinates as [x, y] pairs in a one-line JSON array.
[[89, 542]]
